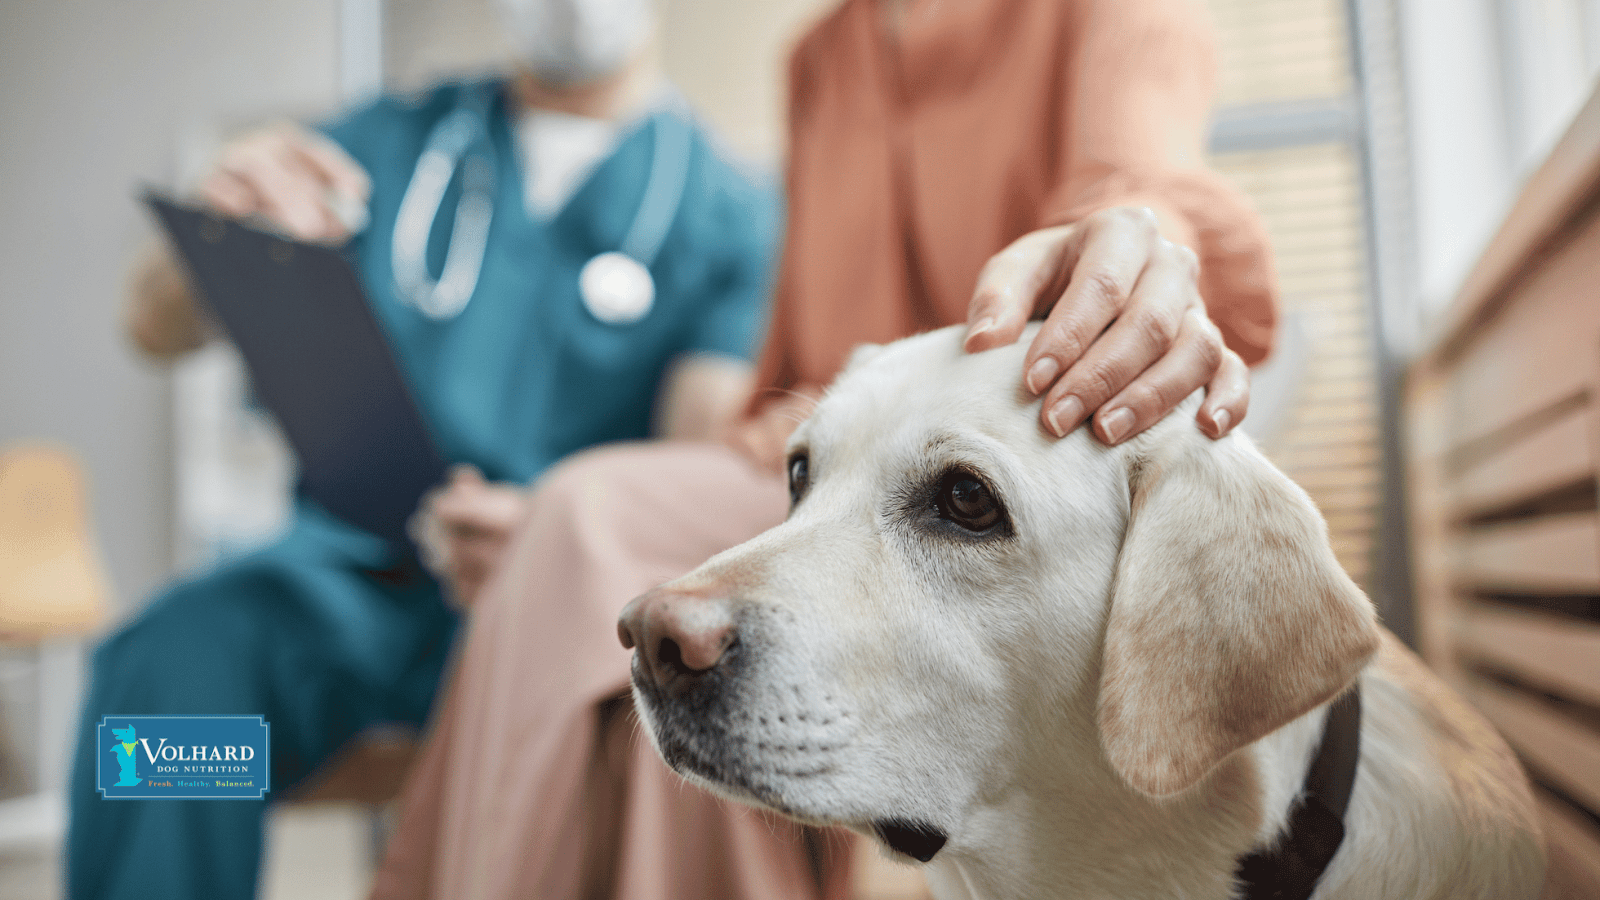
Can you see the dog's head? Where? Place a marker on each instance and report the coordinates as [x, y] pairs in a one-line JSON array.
[[957, 596]]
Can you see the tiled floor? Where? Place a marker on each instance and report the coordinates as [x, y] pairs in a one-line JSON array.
[[29, 875], [313, 853], [326, 853], [321, 852]]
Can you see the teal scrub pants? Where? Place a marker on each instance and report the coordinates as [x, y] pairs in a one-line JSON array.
[[300, 633]]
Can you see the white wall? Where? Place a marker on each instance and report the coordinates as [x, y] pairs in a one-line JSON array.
[[1461, 164], [1490, 85], [95, 94], [729, 56]]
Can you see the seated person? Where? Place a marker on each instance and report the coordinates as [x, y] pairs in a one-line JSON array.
[[331, 629], [989, 161]]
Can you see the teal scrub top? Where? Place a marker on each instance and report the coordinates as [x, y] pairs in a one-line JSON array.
[[525, 374]]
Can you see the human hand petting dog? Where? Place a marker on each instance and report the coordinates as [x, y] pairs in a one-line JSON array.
[[1126, 336], [462, 527]]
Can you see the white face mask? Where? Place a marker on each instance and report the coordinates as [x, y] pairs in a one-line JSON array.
[[566, 42]]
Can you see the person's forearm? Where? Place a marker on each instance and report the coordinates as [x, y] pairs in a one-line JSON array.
[[162, 317]]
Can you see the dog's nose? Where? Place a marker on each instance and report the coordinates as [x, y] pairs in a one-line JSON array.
[[679, 636]]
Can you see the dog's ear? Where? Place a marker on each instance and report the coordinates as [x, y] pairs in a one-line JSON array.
[[1230, 616]]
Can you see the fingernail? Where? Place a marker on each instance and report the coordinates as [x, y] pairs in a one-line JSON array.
[[1221, 420], [980, 327], [349, 212], [1066, 414], [1043, 371], [1115, 424]]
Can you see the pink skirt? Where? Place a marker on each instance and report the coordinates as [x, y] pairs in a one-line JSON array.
[[534, 780]]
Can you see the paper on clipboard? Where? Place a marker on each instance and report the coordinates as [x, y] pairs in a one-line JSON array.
[[318, 360]]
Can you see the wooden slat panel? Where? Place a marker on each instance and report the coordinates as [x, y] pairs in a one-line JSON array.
[[1318, 478], [1555, 554], [1574, 852], [1568, 178], [1425, 437], [1498, 416], [1540, 348], [1357, 453], [1549, 458], [1558, 654], [1558, 747]]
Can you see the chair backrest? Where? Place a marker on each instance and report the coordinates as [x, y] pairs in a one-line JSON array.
[[52, 581]]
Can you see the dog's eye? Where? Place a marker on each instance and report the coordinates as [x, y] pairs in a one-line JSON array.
[[968, 502], [799, 477]]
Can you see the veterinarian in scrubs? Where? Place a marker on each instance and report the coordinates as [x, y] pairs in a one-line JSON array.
[[986, 161], [554, 256]]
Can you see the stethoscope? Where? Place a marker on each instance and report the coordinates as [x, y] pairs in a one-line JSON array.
[[615, 285]]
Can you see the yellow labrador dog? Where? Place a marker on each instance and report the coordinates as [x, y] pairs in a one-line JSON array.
[[1048, 668]]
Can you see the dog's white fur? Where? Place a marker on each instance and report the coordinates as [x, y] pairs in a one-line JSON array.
[[1117, 700]]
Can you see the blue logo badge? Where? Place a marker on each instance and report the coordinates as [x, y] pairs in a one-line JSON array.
[[183, 757]]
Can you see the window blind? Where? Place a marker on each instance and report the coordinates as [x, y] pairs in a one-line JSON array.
[[1279, 60]]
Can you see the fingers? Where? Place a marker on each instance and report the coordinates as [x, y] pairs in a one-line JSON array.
[[1078, 275], [289, 176], [1194, 360], [292, 194], [471, 564], [1125, 336], [1147, 330], [428, 536], [470, 507], [348, 189], [1227, 397], [229, 194], [1116, 252], [465, 473], [465, 526], [1013, 281], [335, 167], [261, 178]]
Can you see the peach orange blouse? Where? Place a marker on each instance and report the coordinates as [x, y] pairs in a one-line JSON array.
[[916, 155]]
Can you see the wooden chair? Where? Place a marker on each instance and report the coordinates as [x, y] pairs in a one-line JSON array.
[[52, 585], [52, 582], [368, 771]]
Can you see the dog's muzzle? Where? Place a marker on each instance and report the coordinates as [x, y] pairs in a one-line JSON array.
[[687, 672], [710, 691], [680, 638]]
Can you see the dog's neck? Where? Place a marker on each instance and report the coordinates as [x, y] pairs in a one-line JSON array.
[[1080, 832]]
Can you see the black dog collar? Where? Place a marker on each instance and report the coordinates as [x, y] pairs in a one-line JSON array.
[[1290, 870]]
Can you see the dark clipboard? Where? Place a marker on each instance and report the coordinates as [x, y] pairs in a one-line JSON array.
[[319, 362]]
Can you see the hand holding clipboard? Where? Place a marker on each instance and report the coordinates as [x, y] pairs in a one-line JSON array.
[[320, 363]]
